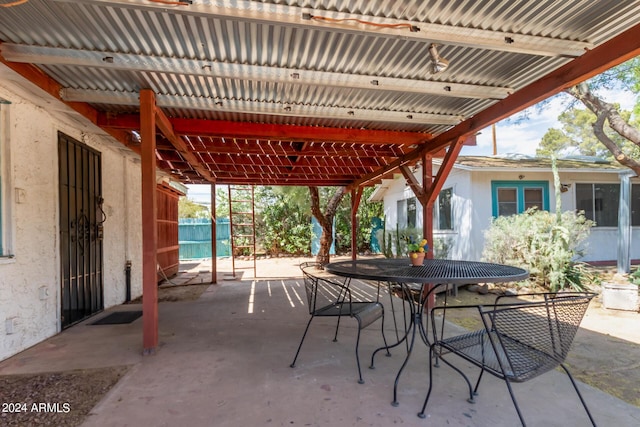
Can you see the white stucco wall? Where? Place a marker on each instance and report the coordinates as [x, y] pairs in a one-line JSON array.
[[30, 281], [472, 210], [461, 236]]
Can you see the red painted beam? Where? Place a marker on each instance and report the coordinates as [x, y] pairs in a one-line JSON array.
[[230, 129], [165, 126], [445, 168]]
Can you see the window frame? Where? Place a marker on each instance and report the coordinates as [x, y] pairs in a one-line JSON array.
[[437, 211], [519, 186], [631, 205], [6, 186], [635, 187], [403, 212]]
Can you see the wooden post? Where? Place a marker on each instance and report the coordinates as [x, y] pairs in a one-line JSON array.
[[214, 237], [356, 195], [427, 219], [427, 208], [149, 230]]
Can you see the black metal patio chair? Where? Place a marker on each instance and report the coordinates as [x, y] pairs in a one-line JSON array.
[[520, 340], [327, 296]]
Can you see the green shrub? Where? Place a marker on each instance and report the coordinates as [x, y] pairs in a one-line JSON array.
[[283, 227], [546, 244]]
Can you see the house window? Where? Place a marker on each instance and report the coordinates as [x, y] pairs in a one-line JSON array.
[[600, 203], [407, 213], [635, 204], [514, 197], [442, 215], [401, 209], [411, 212], [507, 201], [442, 212]]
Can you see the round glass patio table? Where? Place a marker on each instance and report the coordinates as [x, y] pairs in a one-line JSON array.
[[425, 279]]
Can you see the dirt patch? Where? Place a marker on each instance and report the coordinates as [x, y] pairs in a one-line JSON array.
[[54, 399]]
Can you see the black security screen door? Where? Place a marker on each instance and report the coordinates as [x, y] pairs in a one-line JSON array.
[[81, 219]]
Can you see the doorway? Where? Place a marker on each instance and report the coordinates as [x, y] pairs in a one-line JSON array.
[[81, 232]]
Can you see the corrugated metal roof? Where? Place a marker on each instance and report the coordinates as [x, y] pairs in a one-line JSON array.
[[493, 45]]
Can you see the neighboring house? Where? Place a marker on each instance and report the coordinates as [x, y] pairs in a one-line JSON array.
[[481, 188], [70, 219]]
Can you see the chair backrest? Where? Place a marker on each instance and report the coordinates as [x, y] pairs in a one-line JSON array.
[[533, 337], [323, 290]]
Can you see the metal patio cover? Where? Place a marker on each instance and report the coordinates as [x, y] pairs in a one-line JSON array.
[[309, 92]]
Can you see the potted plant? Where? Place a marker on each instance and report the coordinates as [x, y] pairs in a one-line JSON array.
[[622, 292], [417, 249]]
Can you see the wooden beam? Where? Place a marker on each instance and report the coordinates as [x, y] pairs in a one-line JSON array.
[[149, 229], [614, 52], [230, 129], [165, 126], [413, 183], [445, 168]]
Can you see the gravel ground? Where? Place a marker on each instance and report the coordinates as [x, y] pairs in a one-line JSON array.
[[54, 399]]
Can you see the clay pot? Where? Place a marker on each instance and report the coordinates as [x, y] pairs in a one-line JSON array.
[[416, 258]]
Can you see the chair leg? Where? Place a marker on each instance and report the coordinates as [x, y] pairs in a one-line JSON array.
[[360, 380], [575, 386], [515, 403], [384, 338], [462, 374], [475, 389], [335, 337], [293, 364]]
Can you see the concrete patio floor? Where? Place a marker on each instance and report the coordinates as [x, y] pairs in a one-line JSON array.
[[224, 361]]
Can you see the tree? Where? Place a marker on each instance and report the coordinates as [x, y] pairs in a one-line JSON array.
[[283, 224], [576, 134], [222, 202], [607, 114], [325, 219], [187, 208], [366, 212], [617, 131]]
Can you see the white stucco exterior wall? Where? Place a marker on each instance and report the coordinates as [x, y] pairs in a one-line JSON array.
[[30, 303], [472, 209]]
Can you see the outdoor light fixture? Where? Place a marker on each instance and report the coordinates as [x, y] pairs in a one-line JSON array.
[[438, 64]]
